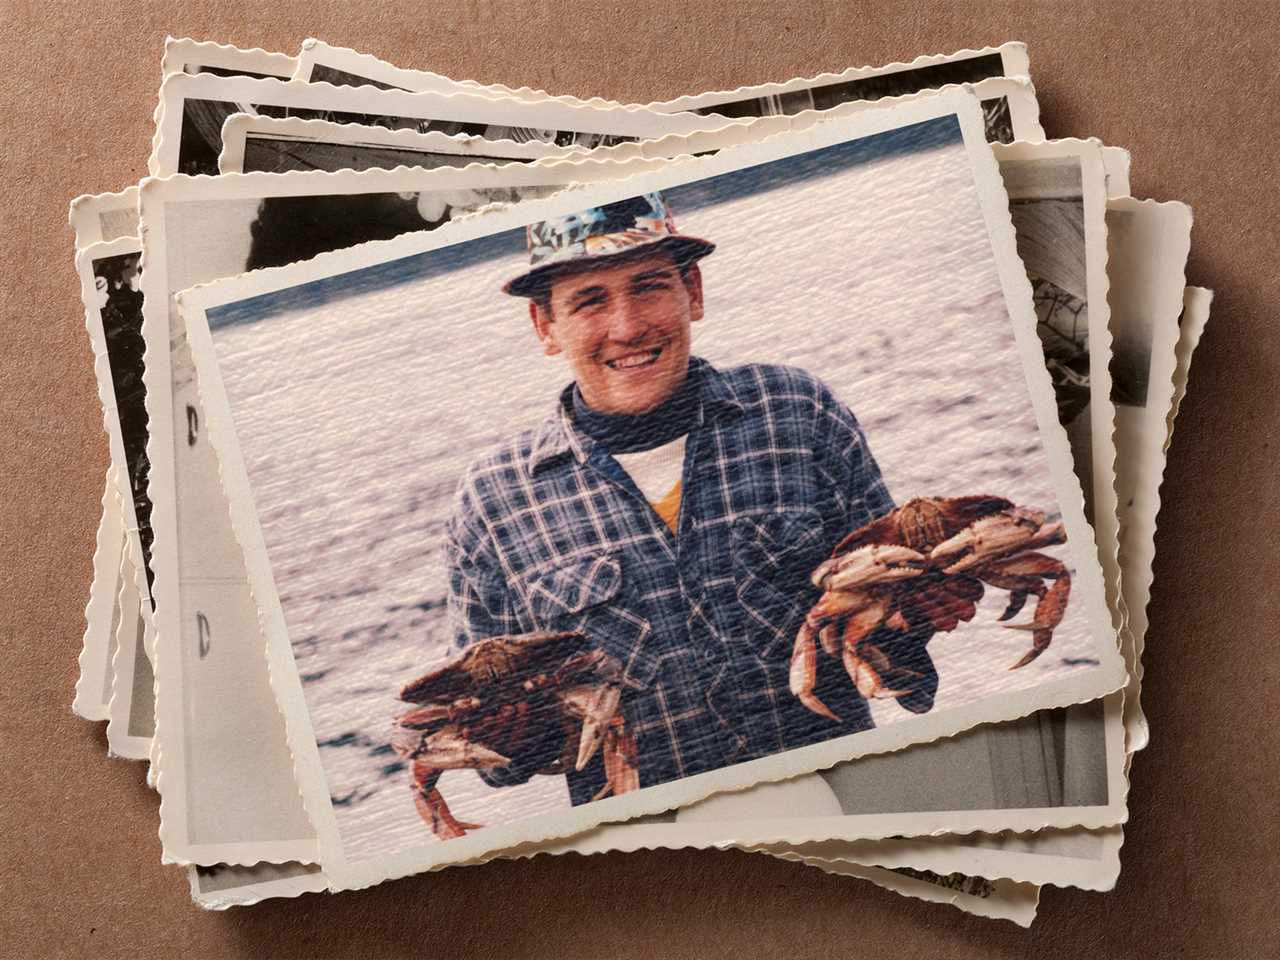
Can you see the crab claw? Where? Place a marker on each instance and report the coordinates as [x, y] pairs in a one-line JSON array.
[[1047, 536], [431, 805], [829, 639], [1039, 643], [867, 681], [804, 673], [597, 705], [448, 749], [1017, 599], [877, 563], [834, 604], [989, 537], [621, 756], [1049, 613]]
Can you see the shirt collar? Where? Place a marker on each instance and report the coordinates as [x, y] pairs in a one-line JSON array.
[[557, 436]]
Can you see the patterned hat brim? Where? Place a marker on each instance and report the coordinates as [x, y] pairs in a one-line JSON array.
[[531, 283]]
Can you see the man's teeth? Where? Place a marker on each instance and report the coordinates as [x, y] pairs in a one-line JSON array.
[[633, 360]]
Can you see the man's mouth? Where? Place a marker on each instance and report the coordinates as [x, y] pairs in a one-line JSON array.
[[635, 360]]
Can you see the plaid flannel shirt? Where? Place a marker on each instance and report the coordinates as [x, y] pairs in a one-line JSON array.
[[549, 533]]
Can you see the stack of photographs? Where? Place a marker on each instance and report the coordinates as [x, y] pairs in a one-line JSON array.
[[496, 474]]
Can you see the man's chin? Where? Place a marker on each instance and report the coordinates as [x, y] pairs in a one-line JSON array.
[[636, 399], [636, 391]]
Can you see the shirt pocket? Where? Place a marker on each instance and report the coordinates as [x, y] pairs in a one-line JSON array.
[[588, 595], [773, 556]]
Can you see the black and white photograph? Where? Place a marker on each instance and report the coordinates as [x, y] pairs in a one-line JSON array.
[[254, 142], [196, 106], [118, 294], [277, 145]]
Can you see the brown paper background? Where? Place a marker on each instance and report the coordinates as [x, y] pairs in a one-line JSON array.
[[1191, 89]]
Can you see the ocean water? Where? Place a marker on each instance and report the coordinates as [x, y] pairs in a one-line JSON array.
[[356, 418]]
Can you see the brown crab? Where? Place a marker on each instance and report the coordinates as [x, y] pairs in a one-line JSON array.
[[923, 565], [495, 703]]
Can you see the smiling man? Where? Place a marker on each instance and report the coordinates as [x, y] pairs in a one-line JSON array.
[[670, 510]]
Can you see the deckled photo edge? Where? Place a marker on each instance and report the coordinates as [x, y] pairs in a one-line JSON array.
[[367, 66], [1198, 303], [89, 703], [253, 891], [181, 52], [1021, 866], [1006, 899], [120, 743], [1013, 56], [86, 210]]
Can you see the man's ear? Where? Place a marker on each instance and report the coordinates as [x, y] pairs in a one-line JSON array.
[[693, 283], [542, 328]]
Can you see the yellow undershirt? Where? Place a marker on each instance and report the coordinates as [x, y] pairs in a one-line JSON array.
[[668, 508]]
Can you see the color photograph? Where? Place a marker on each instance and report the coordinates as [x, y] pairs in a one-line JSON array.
[[653, 488]]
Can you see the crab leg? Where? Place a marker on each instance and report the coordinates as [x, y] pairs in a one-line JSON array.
[[829, 638], [804, 673], [621, 756], [1049, 535], [834, 604], [861, 624], [866, 679], [431, 806], [864, 676], [1027, 564], [1019, 588], [865, 662]]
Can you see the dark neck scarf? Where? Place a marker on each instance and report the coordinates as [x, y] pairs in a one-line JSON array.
[[633, 433]]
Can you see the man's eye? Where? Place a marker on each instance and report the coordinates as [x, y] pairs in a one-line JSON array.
[[587, 302], [652, 287]]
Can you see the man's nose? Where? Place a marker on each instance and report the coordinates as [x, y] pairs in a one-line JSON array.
[[626, 320]]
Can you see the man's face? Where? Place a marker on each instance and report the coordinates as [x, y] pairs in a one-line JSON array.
[[624, 328]]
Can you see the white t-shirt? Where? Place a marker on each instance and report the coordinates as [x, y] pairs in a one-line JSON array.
[[656, 473]]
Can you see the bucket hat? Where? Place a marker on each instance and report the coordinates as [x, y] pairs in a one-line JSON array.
[[583, 238]]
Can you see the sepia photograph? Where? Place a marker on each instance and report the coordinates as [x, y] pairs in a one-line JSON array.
[[636, 524]]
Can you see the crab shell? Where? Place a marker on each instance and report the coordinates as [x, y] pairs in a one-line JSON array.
[[494, 663], [498, 699]]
